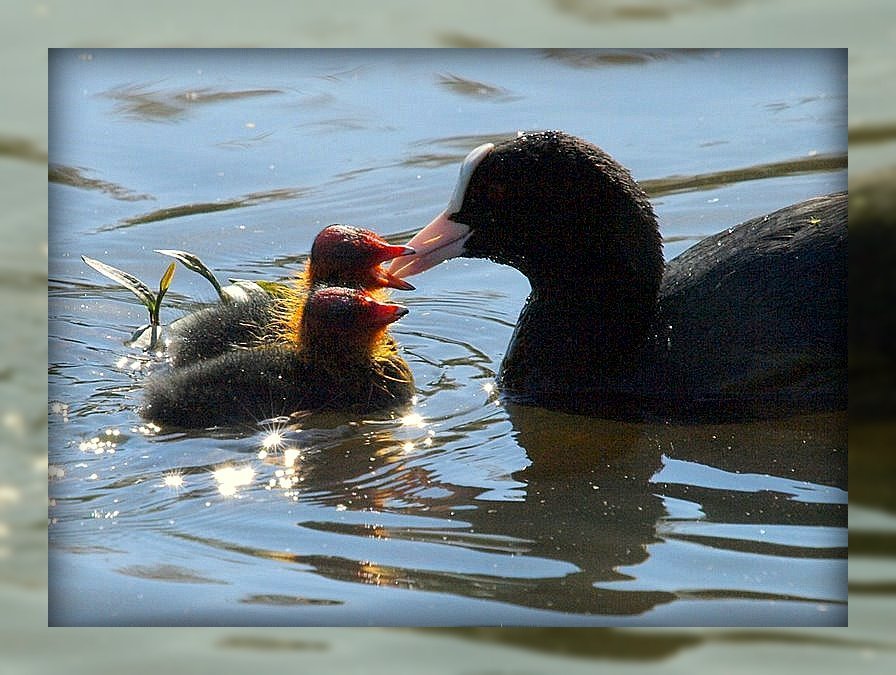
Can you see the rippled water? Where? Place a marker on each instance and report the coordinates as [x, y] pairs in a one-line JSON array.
[[466, 511]]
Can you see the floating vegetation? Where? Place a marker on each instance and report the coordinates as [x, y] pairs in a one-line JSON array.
[[238, 290], [152, 301], [147, 337], [194, 264]]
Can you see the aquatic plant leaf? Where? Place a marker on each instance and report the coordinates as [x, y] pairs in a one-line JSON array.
[[194, 264], [164, 283], [129, 281]]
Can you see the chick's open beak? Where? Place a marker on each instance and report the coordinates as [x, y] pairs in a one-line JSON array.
[[389, 280]]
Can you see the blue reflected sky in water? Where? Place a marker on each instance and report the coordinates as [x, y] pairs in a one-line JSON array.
[[343, 118]]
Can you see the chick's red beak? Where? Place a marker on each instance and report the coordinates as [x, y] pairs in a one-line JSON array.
[[385, 278], [382, 313], [384, 252], [388, 280]]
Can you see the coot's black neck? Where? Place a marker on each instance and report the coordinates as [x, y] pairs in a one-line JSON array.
[[579, 334]]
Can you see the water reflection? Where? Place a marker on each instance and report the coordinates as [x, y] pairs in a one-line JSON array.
[[590, 58], [144, 103], [593, 501], [474, 89], [182, 210], [75, 177], [22, 148], [657, 187]]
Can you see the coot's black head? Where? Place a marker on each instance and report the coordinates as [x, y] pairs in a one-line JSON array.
[[551, 205]]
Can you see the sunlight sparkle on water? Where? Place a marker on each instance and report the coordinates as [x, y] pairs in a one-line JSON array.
[[273, 440], [229, 478], [147, 429], [413, 420], [98, 445], [290, 455], [126, 363], [173, 480], [60, 409]]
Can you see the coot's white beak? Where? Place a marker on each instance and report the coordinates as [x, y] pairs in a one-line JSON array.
[[443, 238], [440, 240]]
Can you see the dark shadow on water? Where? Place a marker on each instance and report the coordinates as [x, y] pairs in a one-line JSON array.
[[642, 645], [144, 103], [462, 41], [603, 58], [473, 89], [22, 148], [708, 181], [872, 350], [76, 177], [872, 134]]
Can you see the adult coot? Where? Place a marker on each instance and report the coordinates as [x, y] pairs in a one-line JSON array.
[[749, 323]]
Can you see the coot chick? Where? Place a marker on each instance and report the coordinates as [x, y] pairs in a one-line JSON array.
[[341, 255], [750, 323], [342, 359]]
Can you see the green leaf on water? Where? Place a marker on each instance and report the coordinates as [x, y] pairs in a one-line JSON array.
[[129, 281]]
